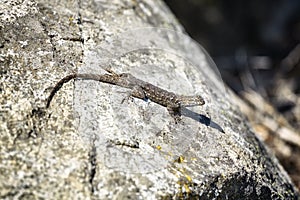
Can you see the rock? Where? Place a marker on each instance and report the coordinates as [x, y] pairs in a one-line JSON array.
[[96, 143]]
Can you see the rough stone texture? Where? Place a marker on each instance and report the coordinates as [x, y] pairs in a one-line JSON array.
[[89, 145]]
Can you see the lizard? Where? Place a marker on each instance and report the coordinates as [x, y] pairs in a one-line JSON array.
[[139, 89]]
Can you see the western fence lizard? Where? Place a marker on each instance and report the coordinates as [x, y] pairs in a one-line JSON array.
[[140, 89]]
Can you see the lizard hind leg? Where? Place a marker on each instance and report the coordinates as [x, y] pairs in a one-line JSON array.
[[136, 92], [127, 98]]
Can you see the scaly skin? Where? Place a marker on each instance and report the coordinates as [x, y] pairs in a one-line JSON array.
[[140, 89]]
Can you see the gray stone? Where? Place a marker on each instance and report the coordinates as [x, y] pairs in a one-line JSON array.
[[90, 144]]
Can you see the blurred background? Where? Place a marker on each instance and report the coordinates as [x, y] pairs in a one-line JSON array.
[[256, 46]]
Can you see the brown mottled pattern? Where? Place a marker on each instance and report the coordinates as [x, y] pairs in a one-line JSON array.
[[140, 89]]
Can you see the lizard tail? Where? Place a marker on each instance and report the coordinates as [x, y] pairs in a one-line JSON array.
[[58, 86], [105, 78]]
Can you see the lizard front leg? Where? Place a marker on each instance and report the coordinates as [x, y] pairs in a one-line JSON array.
[[175, 113]]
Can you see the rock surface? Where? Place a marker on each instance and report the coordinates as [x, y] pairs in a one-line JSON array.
[[90, 145]]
